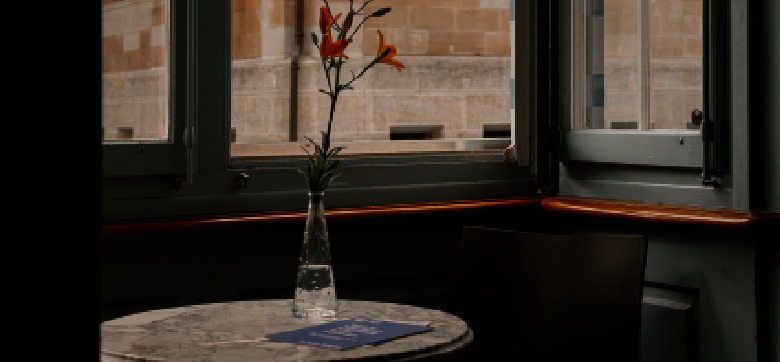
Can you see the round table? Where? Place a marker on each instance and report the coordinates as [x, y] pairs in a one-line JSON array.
[[236, 332]]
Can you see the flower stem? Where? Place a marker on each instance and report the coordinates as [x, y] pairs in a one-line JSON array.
[[335, 96]]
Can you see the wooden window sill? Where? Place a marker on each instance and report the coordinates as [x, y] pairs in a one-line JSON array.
[[657, 212], [594, 207], [217, 222]]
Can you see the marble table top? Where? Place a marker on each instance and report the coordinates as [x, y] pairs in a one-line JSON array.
[[236, 332]]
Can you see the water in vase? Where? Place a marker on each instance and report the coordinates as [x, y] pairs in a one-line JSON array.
[[315, 294]]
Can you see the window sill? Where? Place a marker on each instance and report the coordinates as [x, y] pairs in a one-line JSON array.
[[637, 210], [594, 207], [221, 222]]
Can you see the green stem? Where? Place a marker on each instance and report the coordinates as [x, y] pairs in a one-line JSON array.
[[335, 97]]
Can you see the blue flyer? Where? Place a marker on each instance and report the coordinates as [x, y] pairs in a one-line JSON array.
[[348, 333]]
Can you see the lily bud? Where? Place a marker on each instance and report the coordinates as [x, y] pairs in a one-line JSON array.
[[380, 12], [347, 23]]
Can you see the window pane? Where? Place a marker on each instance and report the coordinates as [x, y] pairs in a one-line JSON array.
[[617, 64], [453, 95], [135, 69], [676, 73]]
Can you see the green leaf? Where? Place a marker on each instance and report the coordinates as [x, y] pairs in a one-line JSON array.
[[317, 149], [314, 39], [306, 177], [304, 150], [327, 179], [324, 91], [335, 151], [325, 142], [334, 166]]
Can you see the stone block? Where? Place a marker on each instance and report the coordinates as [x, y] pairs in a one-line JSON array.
[[448, 3], [158, 56], [253, 5], [693, 47], [397, 18], [666, 47], [494, 4], [150, 117], [679, 74], [498, 43], [239, 6], [620, 75], [620, 46], [406, 41], [158, 35], [350, 115], [450, 42], [159, 15], [144, 39], [260, 115], [131, 42], [252, 23], [431, 18], [692, 26], [406, 110], [505, 20], [620, 23], [237, 24], [621, 106], [277, 42], [486, 108], [142, 16], [384, 76], [671, 109], [143, 59], [478, 19], [620, 6], [273, 77], [692, 8], [113, 46], [238, 112], [308, 120]]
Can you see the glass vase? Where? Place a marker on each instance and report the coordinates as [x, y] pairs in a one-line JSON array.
[[315, 292]]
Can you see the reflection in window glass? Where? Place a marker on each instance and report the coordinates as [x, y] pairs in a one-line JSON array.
[[676, 71], [455, 81], [135, 69], [620, 64]]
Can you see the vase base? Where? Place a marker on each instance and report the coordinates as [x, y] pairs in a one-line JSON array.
[[315, 314]]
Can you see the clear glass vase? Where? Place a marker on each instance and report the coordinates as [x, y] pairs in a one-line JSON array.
[[315, 292]]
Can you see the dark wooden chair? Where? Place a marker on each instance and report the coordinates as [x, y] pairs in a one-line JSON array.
[[539, 297]]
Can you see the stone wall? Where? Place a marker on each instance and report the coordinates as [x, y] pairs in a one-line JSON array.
[[135, 52], [462, 94], [456, 53], [675, 62]]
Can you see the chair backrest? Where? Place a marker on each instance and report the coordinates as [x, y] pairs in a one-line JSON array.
[[550, 297]]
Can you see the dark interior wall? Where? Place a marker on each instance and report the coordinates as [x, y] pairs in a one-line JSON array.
[[764, 71], [409, 259]]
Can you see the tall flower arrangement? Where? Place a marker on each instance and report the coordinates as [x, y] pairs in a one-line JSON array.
[[320, 171]]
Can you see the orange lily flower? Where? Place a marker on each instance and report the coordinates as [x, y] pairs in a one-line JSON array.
[[330, 48], [325, 21], [389, 58]]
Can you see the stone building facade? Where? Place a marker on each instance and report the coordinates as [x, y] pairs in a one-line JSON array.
[[455, 85]]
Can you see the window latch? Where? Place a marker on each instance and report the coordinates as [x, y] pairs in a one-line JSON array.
[[696, 117], [243, 180]]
